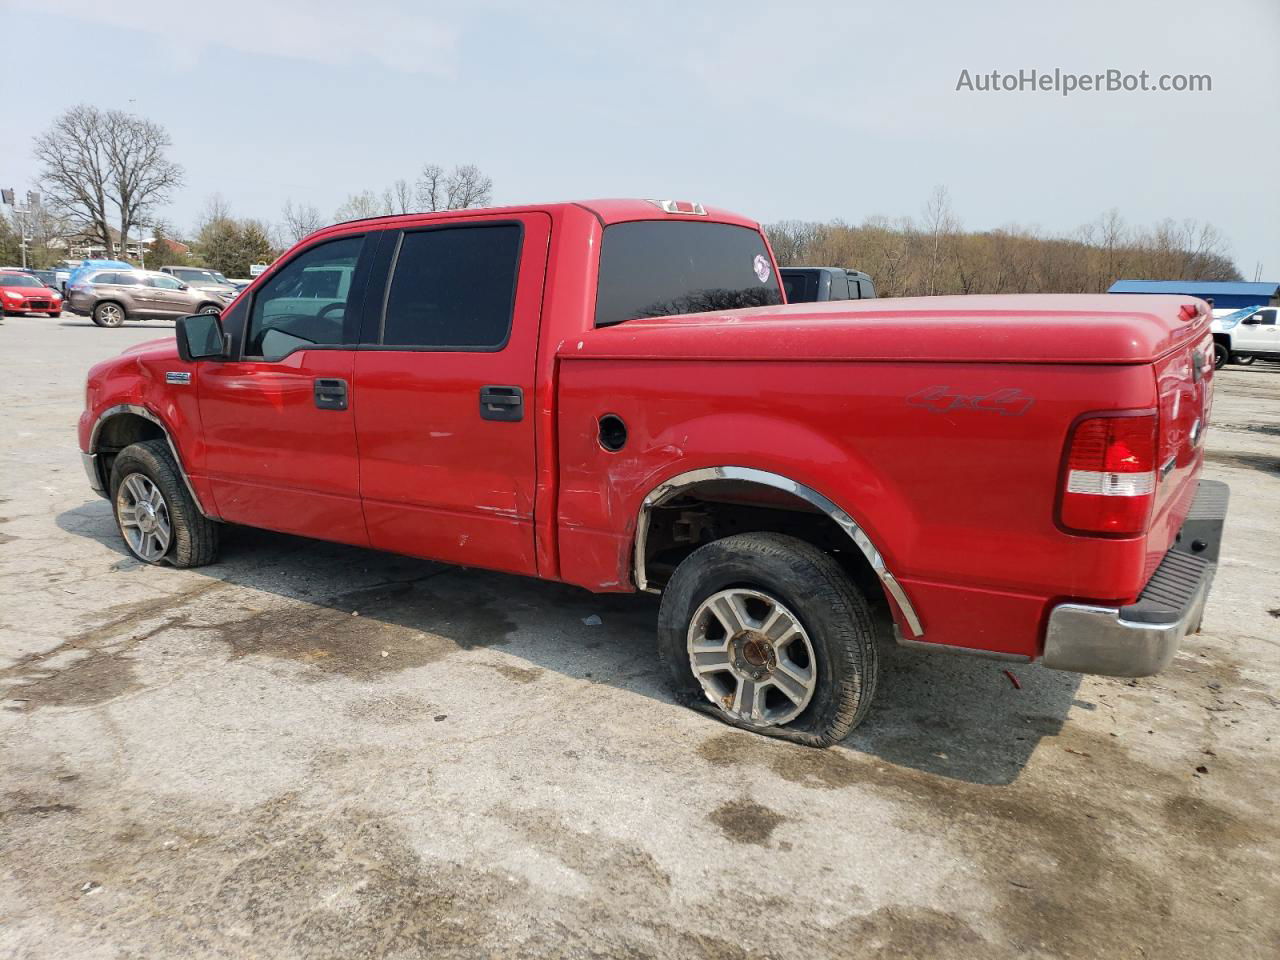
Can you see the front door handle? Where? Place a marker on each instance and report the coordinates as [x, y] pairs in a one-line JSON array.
[[501, 403], [331, 393]]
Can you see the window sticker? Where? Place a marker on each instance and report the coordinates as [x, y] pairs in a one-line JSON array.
[[761, 267]]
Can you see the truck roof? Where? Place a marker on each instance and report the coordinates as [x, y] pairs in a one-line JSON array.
[[607, 210]]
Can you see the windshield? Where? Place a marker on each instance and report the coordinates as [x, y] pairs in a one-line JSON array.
[[18, 280], [656, 268]]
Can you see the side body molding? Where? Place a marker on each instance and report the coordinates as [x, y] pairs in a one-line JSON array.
[[146, 414], [673, 487]]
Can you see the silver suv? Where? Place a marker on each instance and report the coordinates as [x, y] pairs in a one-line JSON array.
[[202, 278], [111, 297]]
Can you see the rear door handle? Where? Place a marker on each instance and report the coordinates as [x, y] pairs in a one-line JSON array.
[[501, 403], [331, 393]]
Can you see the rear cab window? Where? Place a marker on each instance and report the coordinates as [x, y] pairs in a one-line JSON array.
[[657, 268]]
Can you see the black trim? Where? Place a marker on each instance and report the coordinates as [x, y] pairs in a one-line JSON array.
[[377, 323], [1176, 584], [599, 219]]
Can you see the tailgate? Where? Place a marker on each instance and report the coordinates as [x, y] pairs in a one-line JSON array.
[[1184, 388]]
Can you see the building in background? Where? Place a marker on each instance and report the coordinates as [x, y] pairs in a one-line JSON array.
[[1221, 294]]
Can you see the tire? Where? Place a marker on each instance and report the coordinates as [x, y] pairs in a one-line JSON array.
[[209, 308], [1244, 359], [1220, 356], [109, 314], [146, 468], [761, 574]]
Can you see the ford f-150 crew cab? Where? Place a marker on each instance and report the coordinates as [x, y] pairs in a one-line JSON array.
[[612, 394]]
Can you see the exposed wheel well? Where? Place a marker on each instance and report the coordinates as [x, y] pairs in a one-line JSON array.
[[118, 432], [714, 509]]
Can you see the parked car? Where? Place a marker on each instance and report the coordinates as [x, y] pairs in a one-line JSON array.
[[87, 266], [203, 279], [813, 284], [111, 297], [609, 394], [47, 277], [1244, 335], [22, 293]]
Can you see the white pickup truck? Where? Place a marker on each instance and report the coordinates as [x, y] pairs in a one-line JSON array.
[[1246, 334]]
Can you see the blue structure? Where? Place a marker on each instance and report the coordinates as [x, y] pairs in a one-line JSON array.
[[1222, 294]]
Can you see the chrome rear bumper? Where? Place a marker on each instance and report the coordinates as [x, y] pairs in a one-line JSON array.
[[1141, 638]]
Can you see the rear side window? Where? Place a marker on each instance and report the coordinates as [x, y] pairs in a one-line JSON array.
[[453, 288], [655, 268], [839, 287]]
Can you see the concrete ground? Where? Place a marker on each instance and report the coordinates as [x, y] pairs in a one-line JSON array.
[[314, 750]]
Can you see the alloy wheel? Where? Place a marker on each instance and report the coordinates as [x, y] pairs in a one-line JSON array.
[[752, 657], [144, 517]]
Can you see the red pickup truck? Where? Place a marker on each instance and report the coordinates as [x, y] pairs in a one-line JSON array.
[[613, 394]]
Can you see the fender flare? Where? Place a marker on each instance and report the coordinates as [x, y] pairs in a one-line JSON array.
[[672, 487], [146, 414]]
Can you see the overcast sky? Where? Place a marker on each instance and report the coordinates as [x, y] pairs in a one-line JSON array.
[[779, 110]]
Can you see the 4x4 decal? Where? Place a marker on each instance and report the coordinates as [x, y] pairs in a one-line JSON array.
[[1008, 401]]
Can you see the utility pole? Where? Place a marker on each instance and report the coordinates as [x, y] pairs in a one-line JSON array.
[[21, 214]]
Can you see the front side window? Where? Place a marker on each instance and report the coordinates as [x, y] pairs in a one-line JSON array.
[[165, 283], [656, 268], [306, 302], [453, 288]]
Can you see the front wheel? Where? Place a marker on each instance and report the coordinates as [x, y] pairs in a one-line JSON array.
[[155, 514], [1220, 356], [770, 631], [210, 308]]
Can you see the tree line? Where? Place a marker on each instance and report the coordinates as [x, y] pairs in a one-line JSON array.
[[933, 254]]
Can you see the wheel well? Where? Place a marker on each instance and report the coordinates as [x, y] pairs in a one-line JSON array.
[[1223, 338], [118, 303], [118, 432], [715, 509]]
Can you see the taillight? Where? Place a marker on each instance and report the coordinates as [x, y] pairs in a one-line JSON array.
[[1110, 480]]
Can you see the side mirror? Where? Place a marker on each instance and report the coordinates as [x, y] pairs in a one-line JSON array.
[[1252, 318], [182, 286], [201, 337]]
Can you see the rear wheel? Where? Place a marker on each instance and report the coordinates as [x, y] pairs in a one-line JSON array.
[[1220, 356], [770, 632], [154, 512], [108, 314]]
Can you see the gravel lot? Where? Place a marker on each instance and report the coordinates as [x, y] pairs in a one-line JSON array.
[[316, 750]]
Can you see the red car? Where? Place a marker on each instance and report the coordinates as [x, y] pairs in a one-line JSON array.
[[613, 394], [22, 293]]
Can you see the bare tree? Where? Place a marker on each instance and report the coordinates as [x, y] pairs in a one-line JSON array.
[[98, 166], [361, 205], [142, 177], [75, 171], [467, 187], [299, 221], [430, 188], [939, 226], [400, 197]]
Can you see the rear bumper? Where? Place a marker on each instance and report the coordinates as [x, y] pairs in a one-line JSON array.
[[1141, 638]]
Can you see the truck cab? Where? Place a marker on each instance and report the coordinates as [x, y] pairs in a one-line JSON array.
[[818, 284]]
